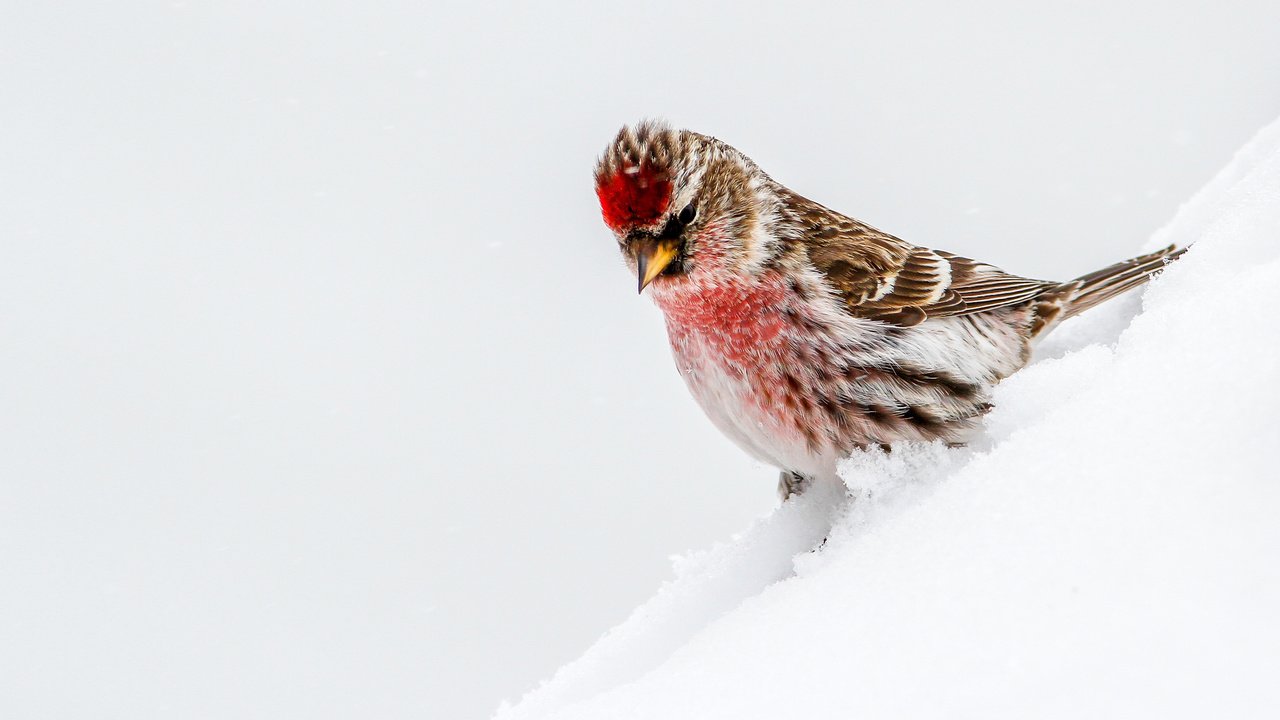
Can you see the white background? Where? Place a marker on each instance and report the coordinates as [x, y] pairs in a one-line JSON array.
[[323, 392]]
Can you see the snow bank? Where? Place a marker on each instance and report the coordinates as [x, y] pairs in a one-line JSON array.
[[1109, 549]]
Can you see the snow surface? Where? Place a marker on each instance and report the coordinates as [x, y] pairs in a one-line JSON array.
[[1109, 549]]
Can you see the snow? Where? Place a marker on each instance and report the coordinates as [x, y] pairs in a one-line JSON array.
[[1109, 549]]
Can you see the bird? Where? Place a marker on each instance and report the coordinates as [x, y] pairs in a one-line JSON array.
[[806, 335]]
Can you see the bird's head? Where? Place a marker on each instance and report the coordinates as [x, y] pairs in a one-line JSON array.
[[686, 207]]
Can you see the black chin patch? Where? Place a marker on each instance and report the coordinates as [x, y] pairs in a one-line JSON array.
[[672, 230]]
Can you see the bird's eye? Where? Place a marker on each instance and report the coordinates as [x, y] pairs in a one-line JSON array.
[[687, 215]]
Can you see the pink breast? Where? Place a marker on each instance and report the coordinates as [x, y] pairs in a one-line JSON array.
[[746, 333], [738, 322]]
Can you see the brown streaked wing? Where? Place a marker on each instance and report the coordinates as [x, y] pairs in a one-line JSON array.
[[857, 259], [986, 287], [921, 288], [884, 278]]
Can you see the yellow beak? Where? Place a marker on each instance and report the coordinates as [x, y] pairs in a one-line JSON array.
[[652, 257]]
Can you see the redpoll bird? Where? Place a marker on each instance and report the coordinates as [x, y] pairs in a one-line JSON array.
[[805, 334]]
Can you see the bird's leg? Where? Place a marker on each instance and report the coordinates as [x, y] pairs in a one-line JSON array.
[[791, 484]]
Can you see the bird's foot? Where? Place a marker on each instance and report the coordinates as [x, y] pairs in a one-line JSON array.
[[791, 484]]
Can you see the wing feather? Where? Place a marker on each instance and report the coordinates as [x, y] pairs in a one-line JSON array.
[[881, 277]]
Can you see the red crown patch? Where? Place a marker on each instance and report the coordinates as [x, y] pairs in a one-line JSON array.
[[633, 196]]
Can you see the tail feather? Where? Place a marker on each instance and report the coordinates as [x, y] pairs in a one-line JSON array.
[[1100, 286]]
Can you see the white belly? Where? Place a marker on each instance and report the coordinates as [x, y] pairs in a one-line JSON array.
[[726, 398]]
